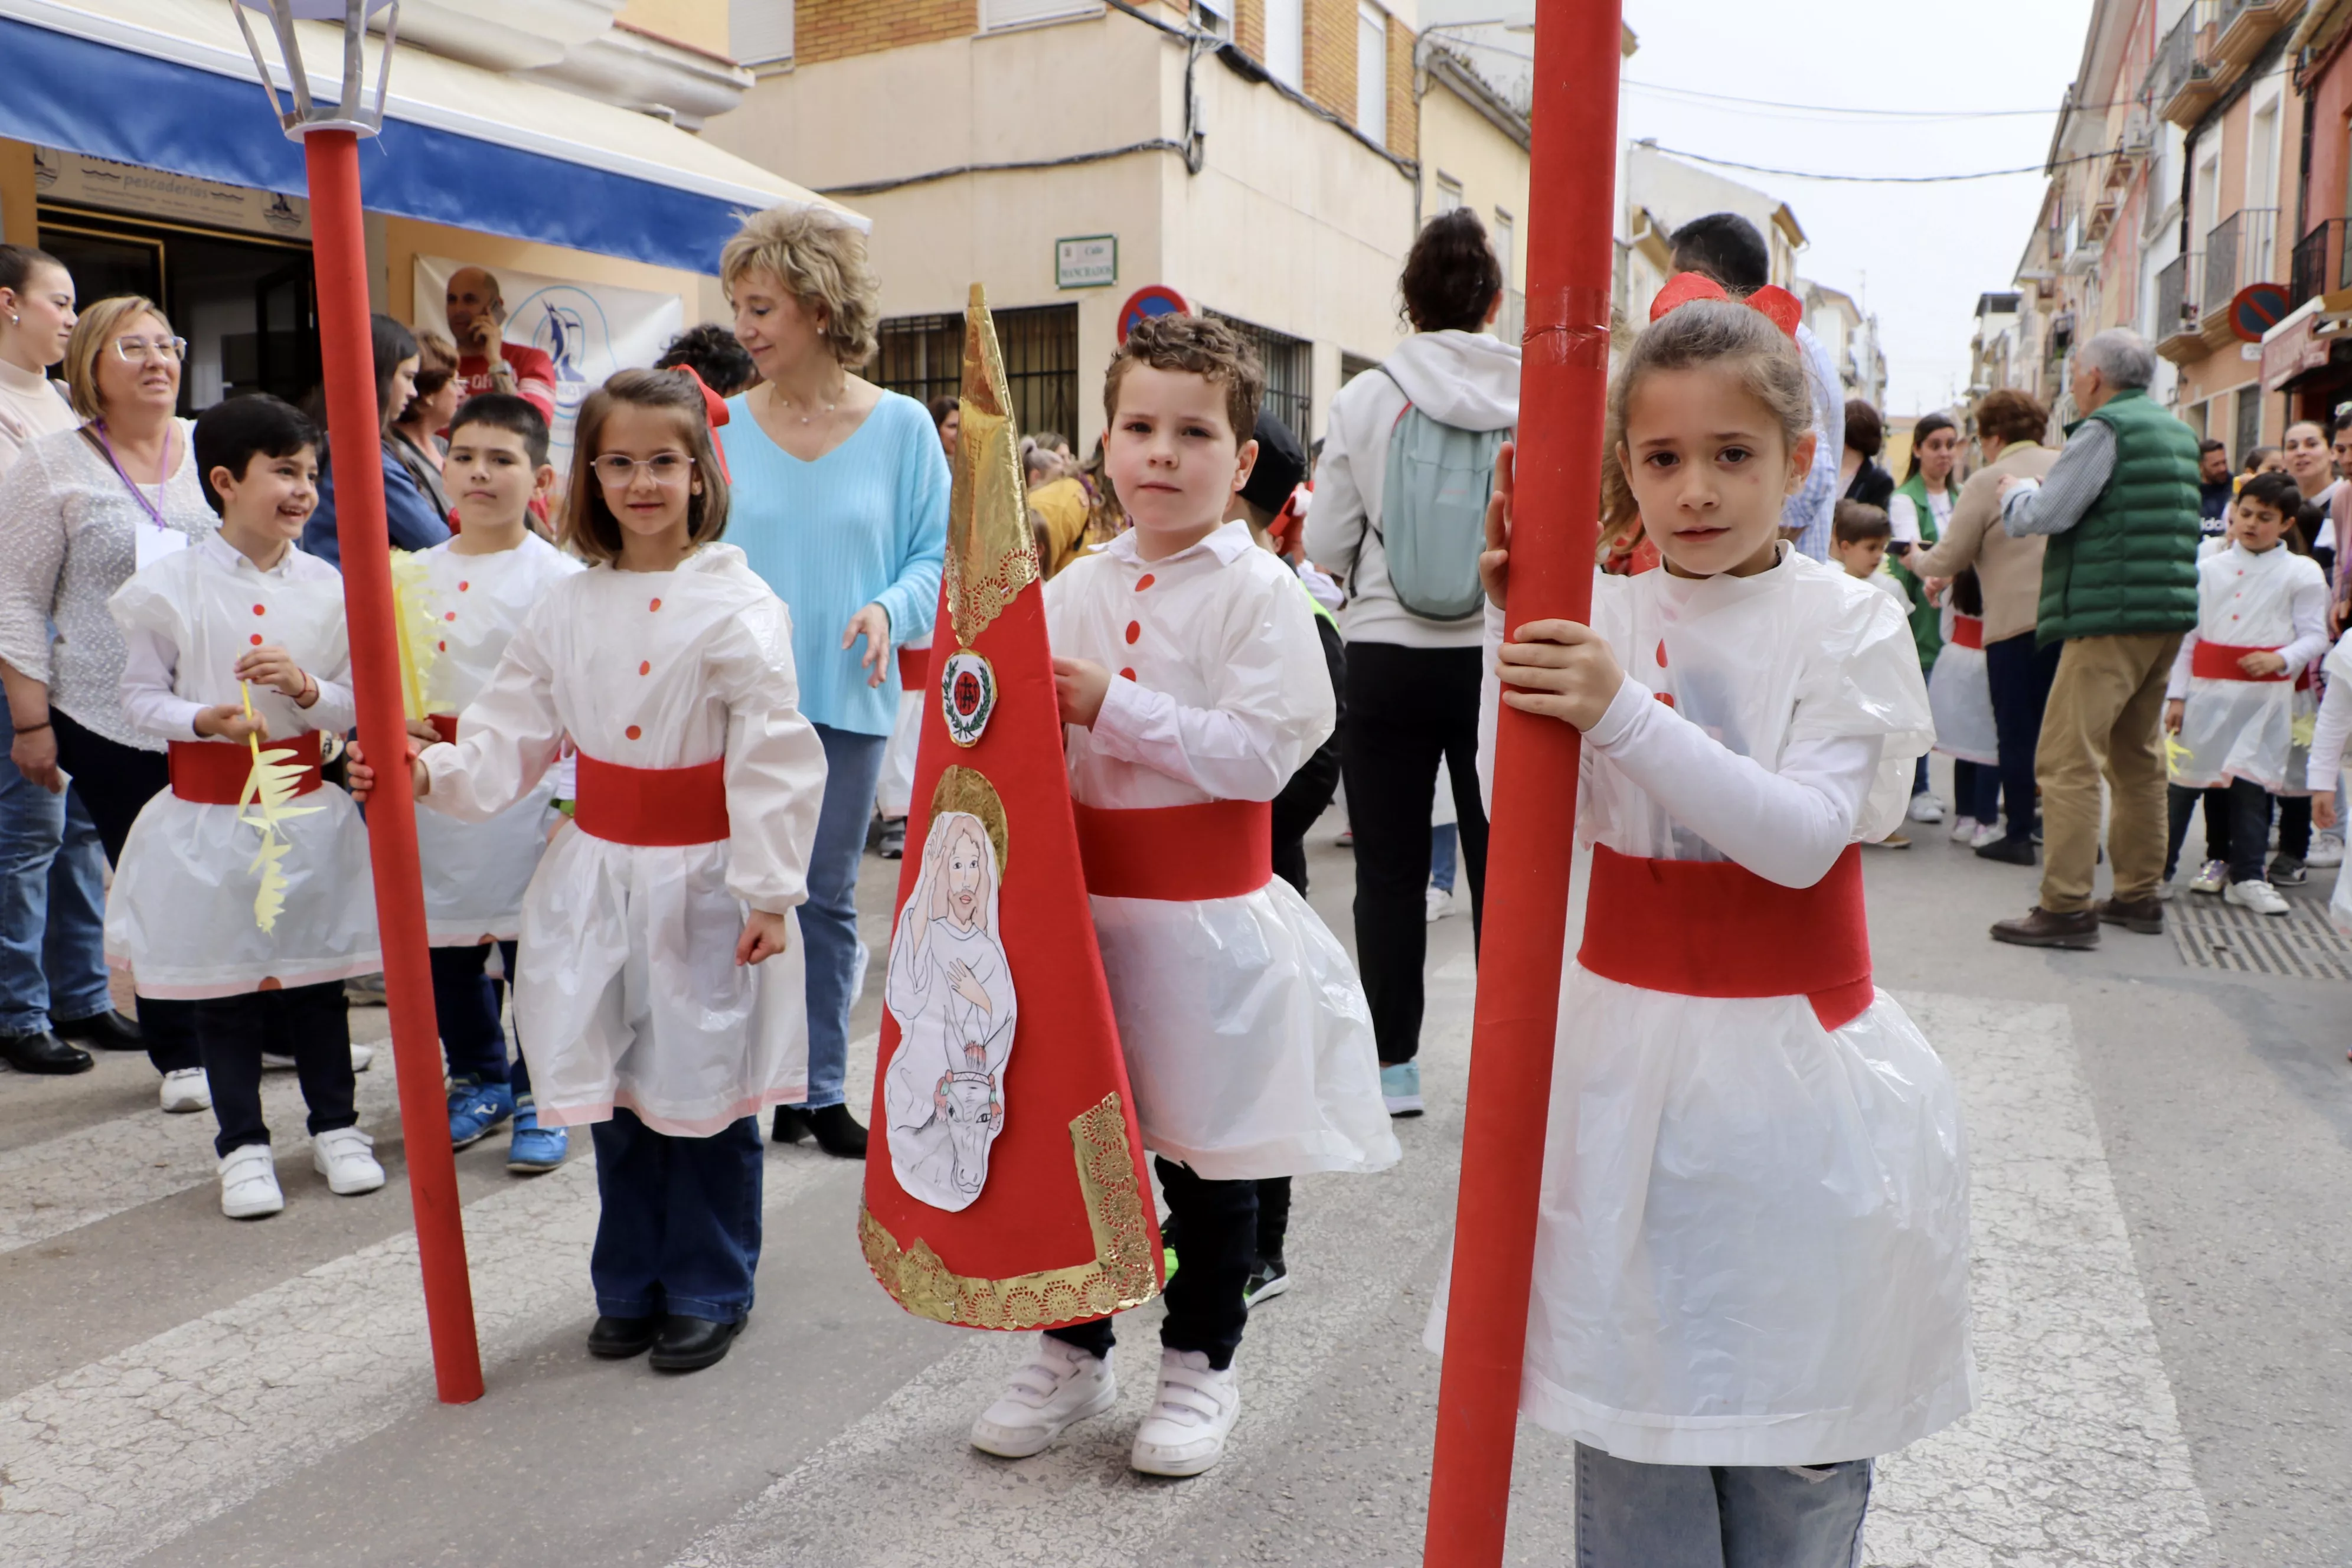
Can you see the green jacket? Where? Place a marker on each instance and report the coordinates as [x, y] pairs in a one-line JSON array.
[[2130, 564], [1926, 619]]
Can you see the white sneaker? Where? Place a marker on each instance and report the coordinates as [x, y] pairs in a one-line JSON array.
[[1964, 828], [1185, 1431], [1440, 903], [1926, 807], [248, 1179], [2259, 897], [344, 1157], [187, 1089], [362, 1055], [1986, 833], [1060, 1386], [2326, 849], [2211, 877]]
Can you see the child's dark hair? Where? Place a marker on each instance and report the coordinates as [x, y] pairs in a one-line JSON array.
[[505, 411], [1721, 333], [1201, 345], [590, 528], [1967, 593], [1727, 247], [2275, 490], [1858, 522], [1451, 276], [230, 435], [722, 362]]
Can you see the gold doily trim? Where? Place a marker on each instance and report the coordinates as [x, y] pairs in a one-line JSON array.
[[1123, 1274], [991, 554]]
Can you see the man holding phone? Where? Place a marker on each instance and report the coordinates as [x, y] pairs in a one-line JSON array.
[[485, 362]]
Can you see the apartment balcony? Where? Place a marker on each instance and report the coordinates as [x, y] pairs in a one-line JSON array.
[[2242, 28], [2242, 250], [2320, 264], [2178, 289], [2181, 81]]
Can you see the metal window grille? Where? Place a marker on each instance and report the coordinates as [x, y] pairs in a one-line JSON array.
[[1289, 365], [922, 356]]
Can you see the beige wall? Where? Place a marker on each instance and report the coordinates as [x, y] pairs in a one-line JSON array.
[[702, 24]]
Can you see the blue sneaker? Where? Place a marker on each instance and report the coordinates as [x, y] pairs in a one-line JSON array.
[[474, 1109], [535, 1148], [1401, 1086]]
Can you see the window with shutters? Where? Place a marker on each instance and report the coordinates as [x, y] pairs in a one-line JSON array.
[[1373, 73], [1289, 365], [760, 32], [922, 356], [1286, 42], [997, 14], [1449, 194]]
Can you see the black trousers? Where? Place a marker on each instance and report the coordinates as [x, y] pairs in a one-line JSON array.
[[310, 1022], [1406, 708], [114, 781], [2250, 831], [1205, 1310], [2020, 675], [2181, 804], [465, 1003]]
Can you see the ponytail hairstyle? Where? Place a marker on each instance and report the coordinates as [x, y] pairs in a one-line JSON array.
[[590, 529], [1723, 334]]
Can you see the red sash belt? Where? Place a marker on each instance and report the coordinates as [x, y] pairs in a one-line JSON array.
[[444, 725], [651, 806], [213, 772], [1182, 854], [1708, 928], [1967, 631], [913, 663], [2219, 661]]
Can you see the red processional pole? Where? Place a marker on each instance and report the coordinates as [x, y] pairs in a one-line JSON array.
[[1556, 503]]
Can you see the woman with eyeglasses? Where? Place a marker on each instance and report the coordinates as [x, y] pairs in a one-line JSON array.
[[80, 511], [409, 517]]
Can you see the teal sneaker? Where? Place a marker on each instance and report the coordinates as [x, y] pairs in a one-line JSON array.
[[535, 1148], [1401, 1087], [476, 1108]]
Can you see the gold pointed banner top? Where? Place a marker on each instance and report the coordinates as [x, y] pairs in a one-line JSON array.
[[992, 554]]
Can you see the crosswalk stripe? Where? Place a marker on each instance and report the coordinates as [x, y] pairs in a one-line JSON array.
[[2075, 1454], [117, 1457]]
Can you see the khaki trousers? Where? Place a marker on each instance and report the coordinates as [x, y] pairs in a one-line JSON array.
[[2106, 718]]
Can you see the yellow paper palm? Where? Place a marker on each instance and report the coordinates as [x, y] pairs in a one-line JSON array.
[[269, 791], [419, 632], [2175, 753], [2304, 729]]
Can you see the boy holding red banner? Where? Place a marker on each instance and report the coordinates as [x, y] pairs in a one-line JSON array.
[[1192, 687]]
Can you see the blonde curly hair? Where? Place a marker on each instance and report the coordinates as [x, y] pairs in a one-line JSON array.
[[820, 259]]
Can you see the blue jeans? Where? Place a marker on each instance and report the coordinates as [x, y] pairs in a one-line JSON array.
[[52, 904], [465, 1006], [1444, 846], [680, 1230], [853, 766], [1631, 1515]]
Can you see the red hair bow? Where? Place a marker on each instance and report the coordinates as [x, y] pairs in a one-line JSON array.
[[1774, 302]]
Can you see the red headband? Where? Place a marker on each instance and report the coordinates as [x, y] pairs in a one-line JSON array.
[[1782, 307]]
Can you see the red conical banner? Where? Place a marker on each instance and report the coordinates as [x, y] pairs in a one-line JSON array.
[[1005, 1185]]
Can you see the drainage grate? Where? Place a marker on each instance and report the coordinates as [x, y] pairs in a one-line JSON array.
[[2212, 934]]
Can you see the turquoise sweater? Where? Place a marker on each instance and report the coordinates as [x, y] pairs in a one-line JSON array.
[[864, 524]]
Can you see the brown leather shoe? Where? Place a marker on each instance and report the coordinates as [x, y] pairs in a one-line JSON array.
[[2041, 928], [2145, 916]]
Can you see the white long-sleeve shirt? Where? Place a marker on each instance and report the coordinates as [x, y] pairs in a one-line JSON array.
[[186, 622], [2238, 607]]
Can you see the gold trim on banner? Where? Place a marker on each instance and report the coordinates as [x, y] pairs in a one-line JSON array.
[[1122, 1274], [968, 790], [991, 554]]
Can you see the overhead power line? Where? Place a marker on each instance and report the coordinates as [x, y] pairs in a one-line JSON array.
[[1876, 179]]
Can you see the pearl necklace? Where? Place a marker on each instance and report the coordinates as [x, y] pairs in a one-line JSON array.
[[808, 418]]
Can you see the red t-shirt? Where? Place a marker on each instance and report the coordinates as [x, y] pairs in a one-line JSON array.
[[534, 375]]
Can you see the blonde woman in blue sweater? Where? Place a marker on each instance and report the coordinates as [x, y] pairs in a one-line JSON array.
[[841, 505]]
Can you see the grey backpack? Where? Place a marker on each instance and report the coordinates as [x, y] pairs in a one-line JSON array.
[[1433, 511]]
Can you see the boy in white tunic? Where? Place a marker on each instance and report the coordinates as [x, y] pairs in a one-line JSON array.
[[1192, 686], [643, 999], [1751, 1256], [2262, 622], [481, 585], [240, 637]]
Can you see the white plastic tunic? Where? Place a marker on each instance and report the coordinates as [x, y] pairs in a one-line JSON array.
[[628, 992], [1753, 1241], [1960, 697], [474, 872], [2245, 729], [1248, 1040], [180, 911]]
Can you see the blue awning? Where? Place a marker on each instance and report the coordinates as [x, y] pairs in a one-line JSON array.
[[167, 84]]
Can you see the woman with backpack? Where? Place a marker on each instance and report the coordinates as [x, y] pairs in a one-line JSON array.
[[1399, 518]]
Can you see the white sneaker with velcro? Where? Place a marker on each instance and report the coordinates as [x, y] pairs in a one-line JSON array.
[[185, 1090], [1061, 1387], [1185, 1431], [2259, 897], [346, 1158], [248, 1179]]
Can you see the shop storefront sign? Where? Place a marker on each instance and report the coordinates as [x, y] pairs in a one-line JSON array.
[[2292, 350], [84, 180], [1090, 262]]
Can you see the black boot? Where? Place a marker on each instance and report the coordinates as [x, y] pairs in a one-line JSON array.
[[41, 1052], [689, 1344], [617, 1339], [106, 1031], [791, 1125], [837, 1132]]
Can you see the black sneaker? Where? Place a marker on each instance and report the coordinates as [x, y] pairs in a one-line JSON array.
[[2287, 871], [2008, 850], [1269, 1279], [894, 839]]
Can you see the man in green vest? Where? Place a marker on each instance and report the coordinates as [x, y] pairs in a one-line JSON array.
[[2118, 589]]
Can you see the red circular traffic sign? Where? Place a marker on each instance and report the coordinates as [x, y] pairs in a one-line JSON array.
[[2256, 309], [1151, 299]]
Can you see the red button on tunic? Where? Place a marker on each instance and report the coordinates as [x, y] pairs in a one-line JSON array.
[[1145, 582], [633, 733], [1134, 630]]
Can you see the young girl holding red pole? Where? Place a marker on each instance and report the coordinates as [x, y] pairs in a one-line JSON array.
[[1751, 1265]]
